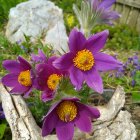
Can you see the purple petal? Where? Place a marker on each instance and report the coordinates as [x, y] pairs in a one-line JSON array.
[[26, 94], [104, 62], [94, 80], [114, 15], [10, 80], [83, 122], [11, 65], [96, 42], [19, 89], [35, 58], [47, 95], [76, 41], [76, 77], [110, 15], [42, 54], [40, 58], [24, 64], [43, 69], [106, 3], [64, 62], [95, 4], [51, 59], [65, 131], [49, 123], [90, 111]]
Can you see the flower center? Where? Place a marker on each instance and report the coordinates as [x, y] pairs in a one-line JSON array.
[[67, 111], [24, 78], [84, 60], [53, 81]]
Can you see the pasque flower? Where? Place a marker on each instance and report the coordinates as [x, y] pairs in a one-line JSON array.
[[21, 76], [41, 57], [93, 13], [47, 79], [84, 60], [105, 13], [66, 114]]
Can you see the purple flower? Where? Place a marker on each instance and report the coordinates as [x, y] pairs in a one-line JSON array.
[[120, 72], [138, 67], [133, 83], [19, 42], [21, 76], [135, 60], [40, 58], [103, 8], [48, 78], [2, 116], [66, 114], [24, 48], [133, 73], [84, 60], [130, 59]]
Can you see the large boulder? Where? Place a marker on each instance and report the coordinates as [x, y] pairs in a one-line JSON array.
[[37, 18]]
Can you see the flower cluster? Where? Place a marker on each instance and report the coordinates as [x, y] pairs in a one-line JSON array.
[[82, 65], [130, 68]]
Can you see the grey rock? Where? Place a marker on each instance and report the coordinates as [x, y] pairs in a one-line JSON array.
[[37, 19], [114, 123]]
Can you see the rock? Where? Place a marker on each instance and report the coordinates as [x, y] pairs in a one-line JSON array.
[[57, 37], [114, 123], [37, 18], [120, 128]]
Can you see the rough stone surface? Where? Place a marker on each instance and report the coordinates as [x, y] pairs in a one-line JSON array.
[[114, 123], [37, 18]]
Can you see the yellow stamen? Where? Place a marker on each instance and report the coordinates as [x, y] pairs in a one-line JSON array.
[[67, 111], [84, 60], [53, 81], [24, 78]]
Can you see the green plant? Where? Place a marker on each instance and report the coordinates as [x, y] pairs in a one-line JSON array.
[[5, 6], [128, 76], [10, 50], [121, 37], [2, 130], [66, 5]]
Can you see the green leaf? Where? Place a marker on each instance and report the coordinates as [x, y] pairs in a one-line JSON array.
[[136, 97], [2, 130], [137, 77]]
